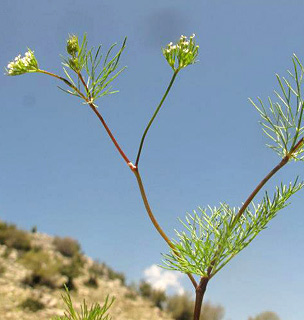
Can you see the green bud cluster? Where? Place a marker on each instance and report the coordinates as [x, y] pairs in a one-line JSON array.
[[72, 45], [182, 54], [73, 49]]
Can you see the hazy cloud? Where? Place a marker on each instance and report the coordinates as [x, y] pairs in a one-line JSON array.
[[163, 279]]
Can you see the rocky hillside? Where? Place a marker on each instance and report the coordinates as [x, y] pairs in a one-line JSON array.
[[35, 266]]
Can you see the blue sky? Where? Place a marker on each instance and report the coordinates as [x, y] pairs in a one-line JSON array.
[[59, 170]]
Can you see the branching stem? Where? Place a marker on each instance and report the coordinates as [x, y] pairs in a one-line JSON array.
[[129, 163]]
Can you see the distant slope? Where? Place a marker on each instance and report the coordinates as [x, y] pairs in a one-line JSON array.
[[33, 268]]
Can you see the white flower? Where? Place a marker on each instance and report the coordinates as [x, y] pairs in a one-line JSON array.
[[22, 65], [181, 54]]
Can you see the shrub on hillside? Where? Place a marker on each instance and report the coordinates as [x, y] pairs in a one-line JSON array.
[[91, 282], [102, 270], [158, 297], [72, 270], [2, 269], [44, 268], [13, 237], [131, 295], [180, 307], [68, 247], [113, 275], [32, 305], [212, 312], [98, 269], [267, 315]]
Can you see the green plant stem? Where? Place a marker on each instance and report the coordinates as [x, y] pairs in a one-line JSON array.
[[154, 221], [153, 117]]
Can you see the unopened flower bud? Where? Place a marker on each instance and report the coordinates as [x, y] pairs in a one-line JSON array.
[[74, 64], [72, 45]]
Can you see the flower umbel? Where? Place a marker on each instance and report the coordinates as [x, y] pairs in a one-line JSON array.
[[182, 54], [22, 65]]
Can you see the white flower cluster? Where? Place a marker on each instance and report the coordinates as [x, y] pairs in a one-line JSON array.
[[22, 65], [181, 54]]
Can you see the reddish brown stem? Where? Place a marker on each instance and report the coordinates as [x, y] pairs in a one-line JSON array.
[[259, 187], [263, 182], [154, 221], [84, 84], [102, 120], [110, 133], [199, 296]]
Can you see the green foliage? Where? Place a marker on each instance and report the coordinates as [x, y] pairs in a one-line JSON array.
[[95, 312], [34, 229], [267, 315], [13, 237], [32, 305], [68, 247], [44, 268], [99, 76], [213, 238], [284, 122]]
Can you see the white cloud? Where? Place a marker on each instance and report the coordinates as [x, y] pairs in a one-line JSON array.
[[163, 279]]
